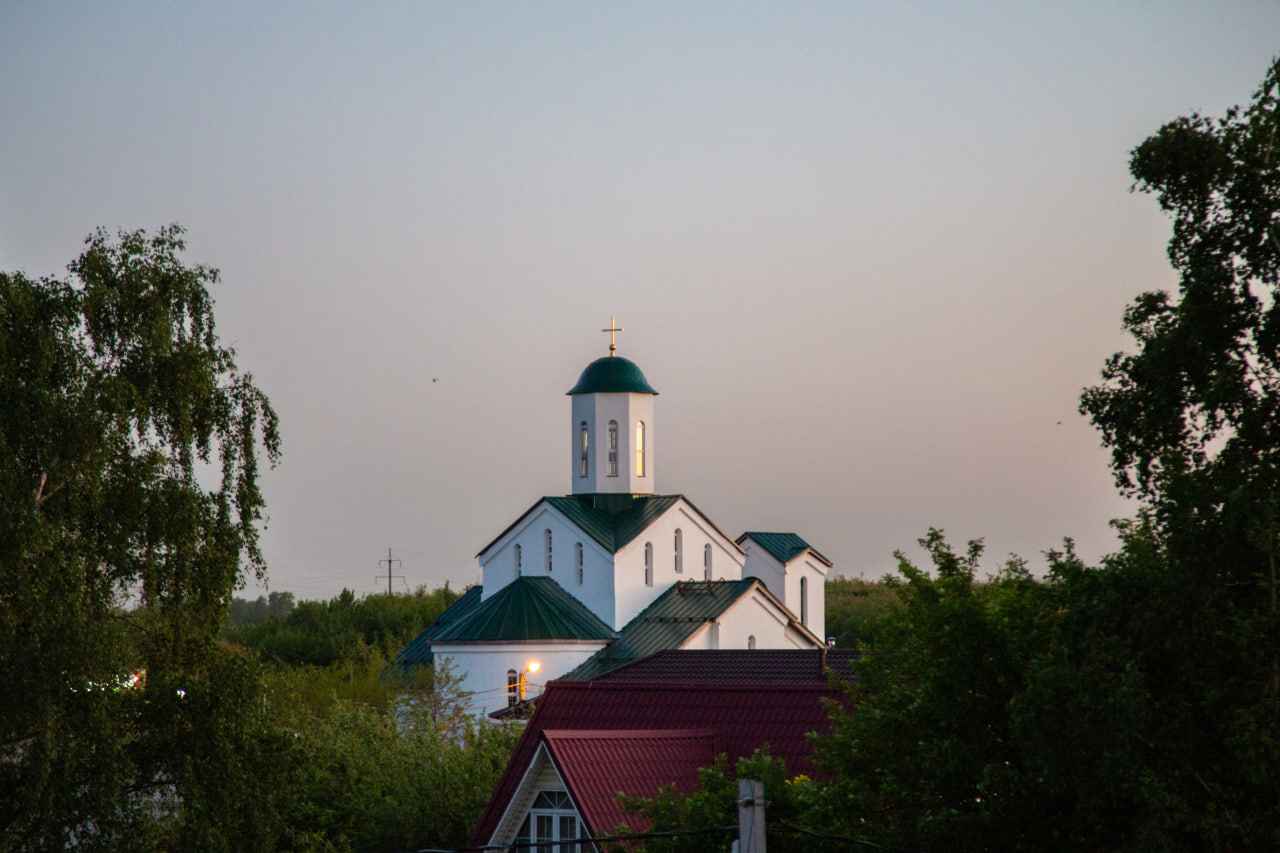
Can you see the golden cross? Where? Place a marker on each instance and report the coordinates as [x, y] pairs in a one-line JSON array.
[[613, 330]]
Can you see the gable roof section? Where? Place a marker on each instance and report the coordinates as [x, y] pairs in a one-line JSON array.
[[668, 621], [783, 547], [528, 608], [611, 520], [597, 765], [418, 652], [745, 717], [737, 666]]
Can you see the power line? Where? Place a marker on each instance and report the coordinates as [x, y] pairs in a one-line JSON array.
[[389, 561]]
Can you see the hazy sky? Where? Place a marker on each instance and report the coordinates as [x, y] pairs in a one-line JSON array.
[[868, 253]]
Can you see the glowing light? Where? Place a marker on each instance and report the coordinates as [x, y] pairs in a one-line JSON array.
[[533, 666]]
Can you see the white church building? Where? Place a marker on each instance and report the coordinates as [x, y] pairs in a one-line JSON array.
[[584, 582]]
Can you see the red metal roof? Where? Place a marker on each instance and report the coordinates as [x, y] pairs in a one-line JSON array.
[[738, 666], [743, 716], [597, 765]]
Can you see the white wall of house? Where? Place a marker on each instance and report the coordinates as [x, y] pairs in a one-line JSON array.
[[753, 615], [484, 666], [814, 571], [498, 563], [759, 563], [631, 592], [597, 410]]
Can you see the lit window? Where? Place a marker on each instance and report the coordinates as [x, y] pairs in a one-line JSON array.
[[577, 559], [804, 602], [513, 687], [639, 448], [518, 560], [585, 467], [613, 448], [706, 562], [648, 564], [679, 551], [546, 536], [551, 819], [751, 641]]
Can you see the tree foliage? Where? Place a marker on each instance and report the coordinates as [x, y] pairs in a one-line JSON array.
[[117, 406]]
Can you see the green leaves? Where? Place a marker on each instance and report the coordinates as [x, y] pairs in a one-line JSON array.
[[112, 386]]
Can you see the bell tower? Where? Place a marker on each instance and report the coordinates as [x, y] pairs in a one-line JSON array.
[[612, 426]]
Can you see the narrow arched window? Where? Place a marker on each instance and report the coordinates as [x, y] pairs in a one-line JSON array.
[[751, 641], [613, 448], [584, 468], [513, 687], [546, 536], [518, 559], [648, 564], [706, 562], [804, 602], [679, 551], [639, 448], [577, 560]]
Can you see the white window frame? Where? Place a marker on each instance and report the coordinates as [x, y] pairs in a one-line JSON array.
[[546, 537], [584, 469], [706, 562], [679, 551], [639, 448], [648, 564], [551, 819], [613, 448], [577, 559], [518, 558]]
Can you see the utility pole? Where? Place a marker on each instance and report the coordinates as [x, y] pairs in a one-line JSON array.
[[751, 803], [389, 561]]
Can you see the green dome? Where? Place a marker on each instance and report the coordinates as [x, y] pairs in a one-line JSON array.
[[612, 375]]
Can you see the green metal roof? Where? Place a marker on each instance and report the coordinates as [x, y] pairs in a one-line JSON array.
[[784, 547], [613, 520], [667, 623], [529, 608], [612, 374], [418, 652]]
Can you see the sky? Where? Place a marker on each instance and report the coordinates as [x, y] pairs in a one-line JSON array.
[[868, 253]]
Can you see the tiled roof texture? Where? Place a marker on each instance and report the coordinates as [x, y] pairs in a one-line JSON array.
[[784, 547], [529, 608], [737, 666], [666, 623], [598, 765], [744, 717], [418, 652]]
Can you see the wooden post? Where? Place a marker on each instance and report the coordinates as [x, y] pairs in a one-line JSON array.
[[751, 803]]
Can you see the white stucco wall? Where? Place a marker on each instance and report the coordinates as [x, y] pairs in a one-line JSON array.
[[484, 667], [497, 564], [761, 564], [632, 595], [752, 615], [807, 566], [597, 410]]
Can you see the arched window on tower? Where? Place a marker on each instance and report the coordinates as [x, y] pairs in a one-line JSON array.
[[546, 537], [613, 448], [584, 468], [639, 448], [751, 641], [679, 551], [513, 687], [518, 559], [648, 564], [577, 561], [706, 562], [804, 602]]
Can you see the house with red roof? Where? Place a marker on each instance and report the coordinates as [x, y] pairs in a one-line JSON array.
[[650, 723], [613, 571]]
